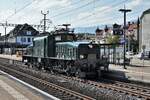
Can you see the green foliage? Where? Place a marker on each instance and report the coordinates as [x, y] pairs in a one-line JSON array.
[[112, 39]]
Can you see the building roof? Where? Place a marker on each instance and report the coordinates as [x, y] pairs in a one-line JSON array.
[[145, 12], [98, 30], [132, 26], [2, 38], [21, 30]]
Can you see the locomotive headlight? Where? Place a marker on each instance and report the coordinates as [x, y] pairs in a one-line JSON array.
[[81, 56], [90, 46], [25, 60]]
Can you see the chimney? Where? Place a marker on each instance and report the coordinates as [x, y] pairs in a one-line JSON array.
[[129, 23], [132, 22]]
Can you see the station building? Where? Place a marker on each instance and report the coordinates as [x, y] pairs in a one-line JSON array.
[[22, 35], [144, 36]]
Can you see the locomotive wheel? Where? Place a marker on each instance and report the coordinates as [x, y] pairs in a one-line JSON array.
[[68, 73], [80, 74], [77, 73]]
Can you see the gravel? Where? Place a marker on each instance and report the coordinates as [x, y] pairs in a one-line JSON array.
[[84, 88]]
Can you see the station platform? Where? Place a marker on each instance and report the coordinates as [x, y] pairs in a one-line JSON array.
[[138, 73], [139, 70], [14, 57], [12, 89], [136, 62]]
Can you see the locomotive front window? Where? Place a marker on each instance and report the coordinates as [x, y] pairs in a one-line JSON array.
[[58, 38], [69, 37]]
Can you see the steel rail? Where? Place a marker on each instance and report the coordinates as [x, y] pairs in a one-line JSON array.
[[65, 93], [122, 87]]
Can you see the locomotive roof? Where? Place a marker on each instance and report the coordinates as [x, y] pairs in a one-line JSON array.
[[74, 43], [39, 38]]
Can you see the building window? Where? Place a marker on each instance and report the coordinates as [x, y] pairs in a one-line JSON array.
[[29, 39], [28, 32], [23, 39]]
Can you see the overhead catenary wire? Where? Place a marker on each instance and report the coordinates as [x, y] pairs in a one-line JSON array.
[[54, 15], [70, 11], [77, 9], [73, 10], [104, 10], [19, 10], [30, 3], [72, 4]]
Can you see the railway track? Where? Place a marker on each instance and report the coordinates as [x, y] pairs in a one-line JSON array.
[[53, 89], [140, 92], [121, 87]]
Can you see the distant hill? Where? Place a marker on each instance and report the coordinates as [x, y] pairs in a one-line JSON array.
[[90, 30]]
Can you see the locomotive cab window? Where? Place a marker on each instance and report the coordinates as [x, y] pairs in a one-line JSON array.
[[69, 37], [97, 56], [58, 38]]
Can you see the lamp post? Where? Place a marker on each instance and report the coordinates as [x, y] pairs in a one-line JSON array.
[[124, 11]]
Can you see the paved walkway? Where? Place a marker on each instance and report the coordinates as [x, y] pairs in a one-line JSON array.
[[132, 73], [11, 89], [11, 57], [139, 63], [138, 70]]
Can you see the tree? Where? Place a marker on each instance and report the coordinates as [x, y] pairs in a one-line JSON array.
[[112, 39]]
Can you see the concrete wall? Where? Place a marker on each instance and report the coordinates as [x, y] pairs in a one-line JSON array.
[[145, 32]]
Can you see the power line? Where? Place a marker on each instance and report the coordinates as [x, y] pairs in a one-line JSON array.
[[75, 9], [17, 11], [111, 18], [75, 3], [30, 3], [104, 10]]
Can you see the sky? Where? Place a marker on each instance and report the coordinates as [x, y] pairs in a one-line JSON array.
[[79, 13]]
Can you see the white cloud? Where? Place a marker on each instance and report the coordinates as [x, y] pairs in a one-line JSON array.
[[102, 8], [46, 4], [81, 15], [101, 14], [134, 3], [97, 11], [5, 13]]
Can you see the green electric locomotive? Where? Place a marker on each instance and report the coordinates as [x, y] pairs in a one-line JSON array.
[[62, 53]]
